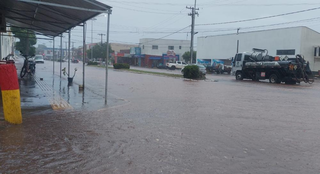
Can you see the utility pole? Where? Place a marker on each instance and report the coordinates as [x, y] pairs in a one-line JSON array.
[[72, 49], [192, 14], [101, 34], [238, 41]]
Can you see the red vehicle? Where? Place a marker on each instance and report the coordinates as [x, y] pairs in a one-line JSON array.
[[75, 61]]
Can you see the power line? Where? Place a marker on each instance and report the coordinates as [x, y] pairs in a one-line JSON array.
[[260, 18], [206, 30], [282, 4], [167, 35], [153, 9], [213, 4], [144, 11], [263, 26], [101, 34]]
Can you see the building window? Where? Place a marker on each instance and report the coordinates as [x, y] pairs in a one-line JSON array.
[[179, 47], [170, 47], [154, 47], [286, 52]]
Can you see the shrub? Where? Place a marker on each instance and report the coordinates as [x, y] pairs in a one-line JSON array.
[[121, 66], [192, 72], [93, 63]]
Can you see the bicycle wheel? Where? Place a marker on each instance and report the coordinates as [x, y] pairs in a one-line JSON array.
[[23, 72]]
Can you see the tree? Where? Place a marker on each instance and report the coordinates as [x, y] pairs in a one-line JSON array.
[[99, 51], [24, 36], [40, 49], [186, 56]]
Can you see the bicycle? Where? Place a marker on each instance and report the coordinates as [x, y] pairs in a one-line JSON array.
[[29, 66]]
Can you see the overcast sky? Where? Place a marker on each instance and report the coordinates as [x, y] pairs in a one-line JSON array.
[[135, 19]]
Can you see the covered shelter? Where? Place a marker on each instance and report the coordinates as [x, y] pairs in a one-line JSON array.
[[52, 18]]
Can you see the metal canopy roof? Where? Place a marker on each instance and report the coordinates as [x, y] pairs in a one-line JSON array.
[[50, 17]]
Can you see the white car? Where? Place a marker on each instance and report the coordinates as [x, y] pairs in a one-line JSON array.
[[39, 59], [177, 64]]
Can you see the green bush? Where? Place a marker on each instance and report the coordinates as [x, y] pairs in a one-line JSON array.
[[93, 63], [121, 66], [192, 72]]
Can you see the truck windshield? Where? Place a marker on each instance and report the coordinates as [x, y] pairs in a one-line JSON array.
[[238, 58]]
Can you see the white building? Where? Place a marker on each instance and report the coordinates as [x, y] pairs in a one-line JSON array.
[[160, 47], [7, 44], [279, 42]]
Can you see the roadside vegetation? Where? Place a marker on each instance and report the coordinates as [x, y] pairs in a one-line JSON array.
[[93, 63], [121, 66], [192, 72]]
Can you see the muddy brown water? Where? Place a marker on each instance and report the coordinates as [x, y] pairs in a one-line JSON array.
[[170, 125]]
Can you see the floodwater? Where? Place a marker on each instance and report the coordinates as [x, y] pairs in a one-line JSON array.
[[170, 125]]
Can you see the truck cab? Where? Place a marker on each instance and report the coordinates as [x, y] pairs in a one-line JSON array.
[[239, 61]]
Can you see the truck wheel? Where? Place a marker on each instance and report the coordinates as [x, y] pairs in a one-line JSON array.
[[254, 78], [274, 79], [173, 67], [290, 82], [239, 76]]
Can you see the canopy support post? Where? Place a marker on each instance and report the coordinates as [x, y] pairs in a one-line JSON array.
[[107, 57], [69, 45], [84, 53], [61, 53], [53, 57]]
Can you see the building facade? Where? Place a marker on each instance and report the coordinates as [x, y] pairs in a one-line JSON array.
[[117, 47], [7, 44], [48, 53], [279, 42], [159, 51], [158, 47]]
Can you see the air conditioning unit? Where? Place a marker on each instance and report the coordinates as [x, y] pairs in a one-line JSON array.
[[317, 52], [3, 27]]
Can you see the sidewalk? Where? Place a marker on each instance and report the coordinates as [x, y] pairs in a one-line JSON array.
[[45, 92]]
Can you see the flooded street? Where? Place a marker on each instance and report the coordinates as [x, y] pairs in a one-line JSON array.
[[157, 124]]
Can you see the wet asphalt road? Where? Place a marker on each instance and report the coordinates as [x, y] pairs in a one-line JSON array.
[[170, 125]]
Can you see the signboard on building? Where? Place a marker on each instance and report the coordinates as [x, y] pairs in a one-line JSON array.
[[135, 51], [171, 53], [175, 58]]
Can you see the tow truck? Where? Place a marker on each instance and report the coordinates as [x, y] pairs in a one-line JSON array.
[[258, 65]]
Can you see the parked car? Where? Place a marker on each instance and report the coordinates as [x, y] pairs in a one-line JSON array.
[[202, 69], [39, 59], [220, 68], [75, 61], [177, 64]]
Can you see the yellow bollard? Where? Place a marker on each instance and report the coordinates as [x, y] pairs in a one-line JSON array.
[[10, 94]]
